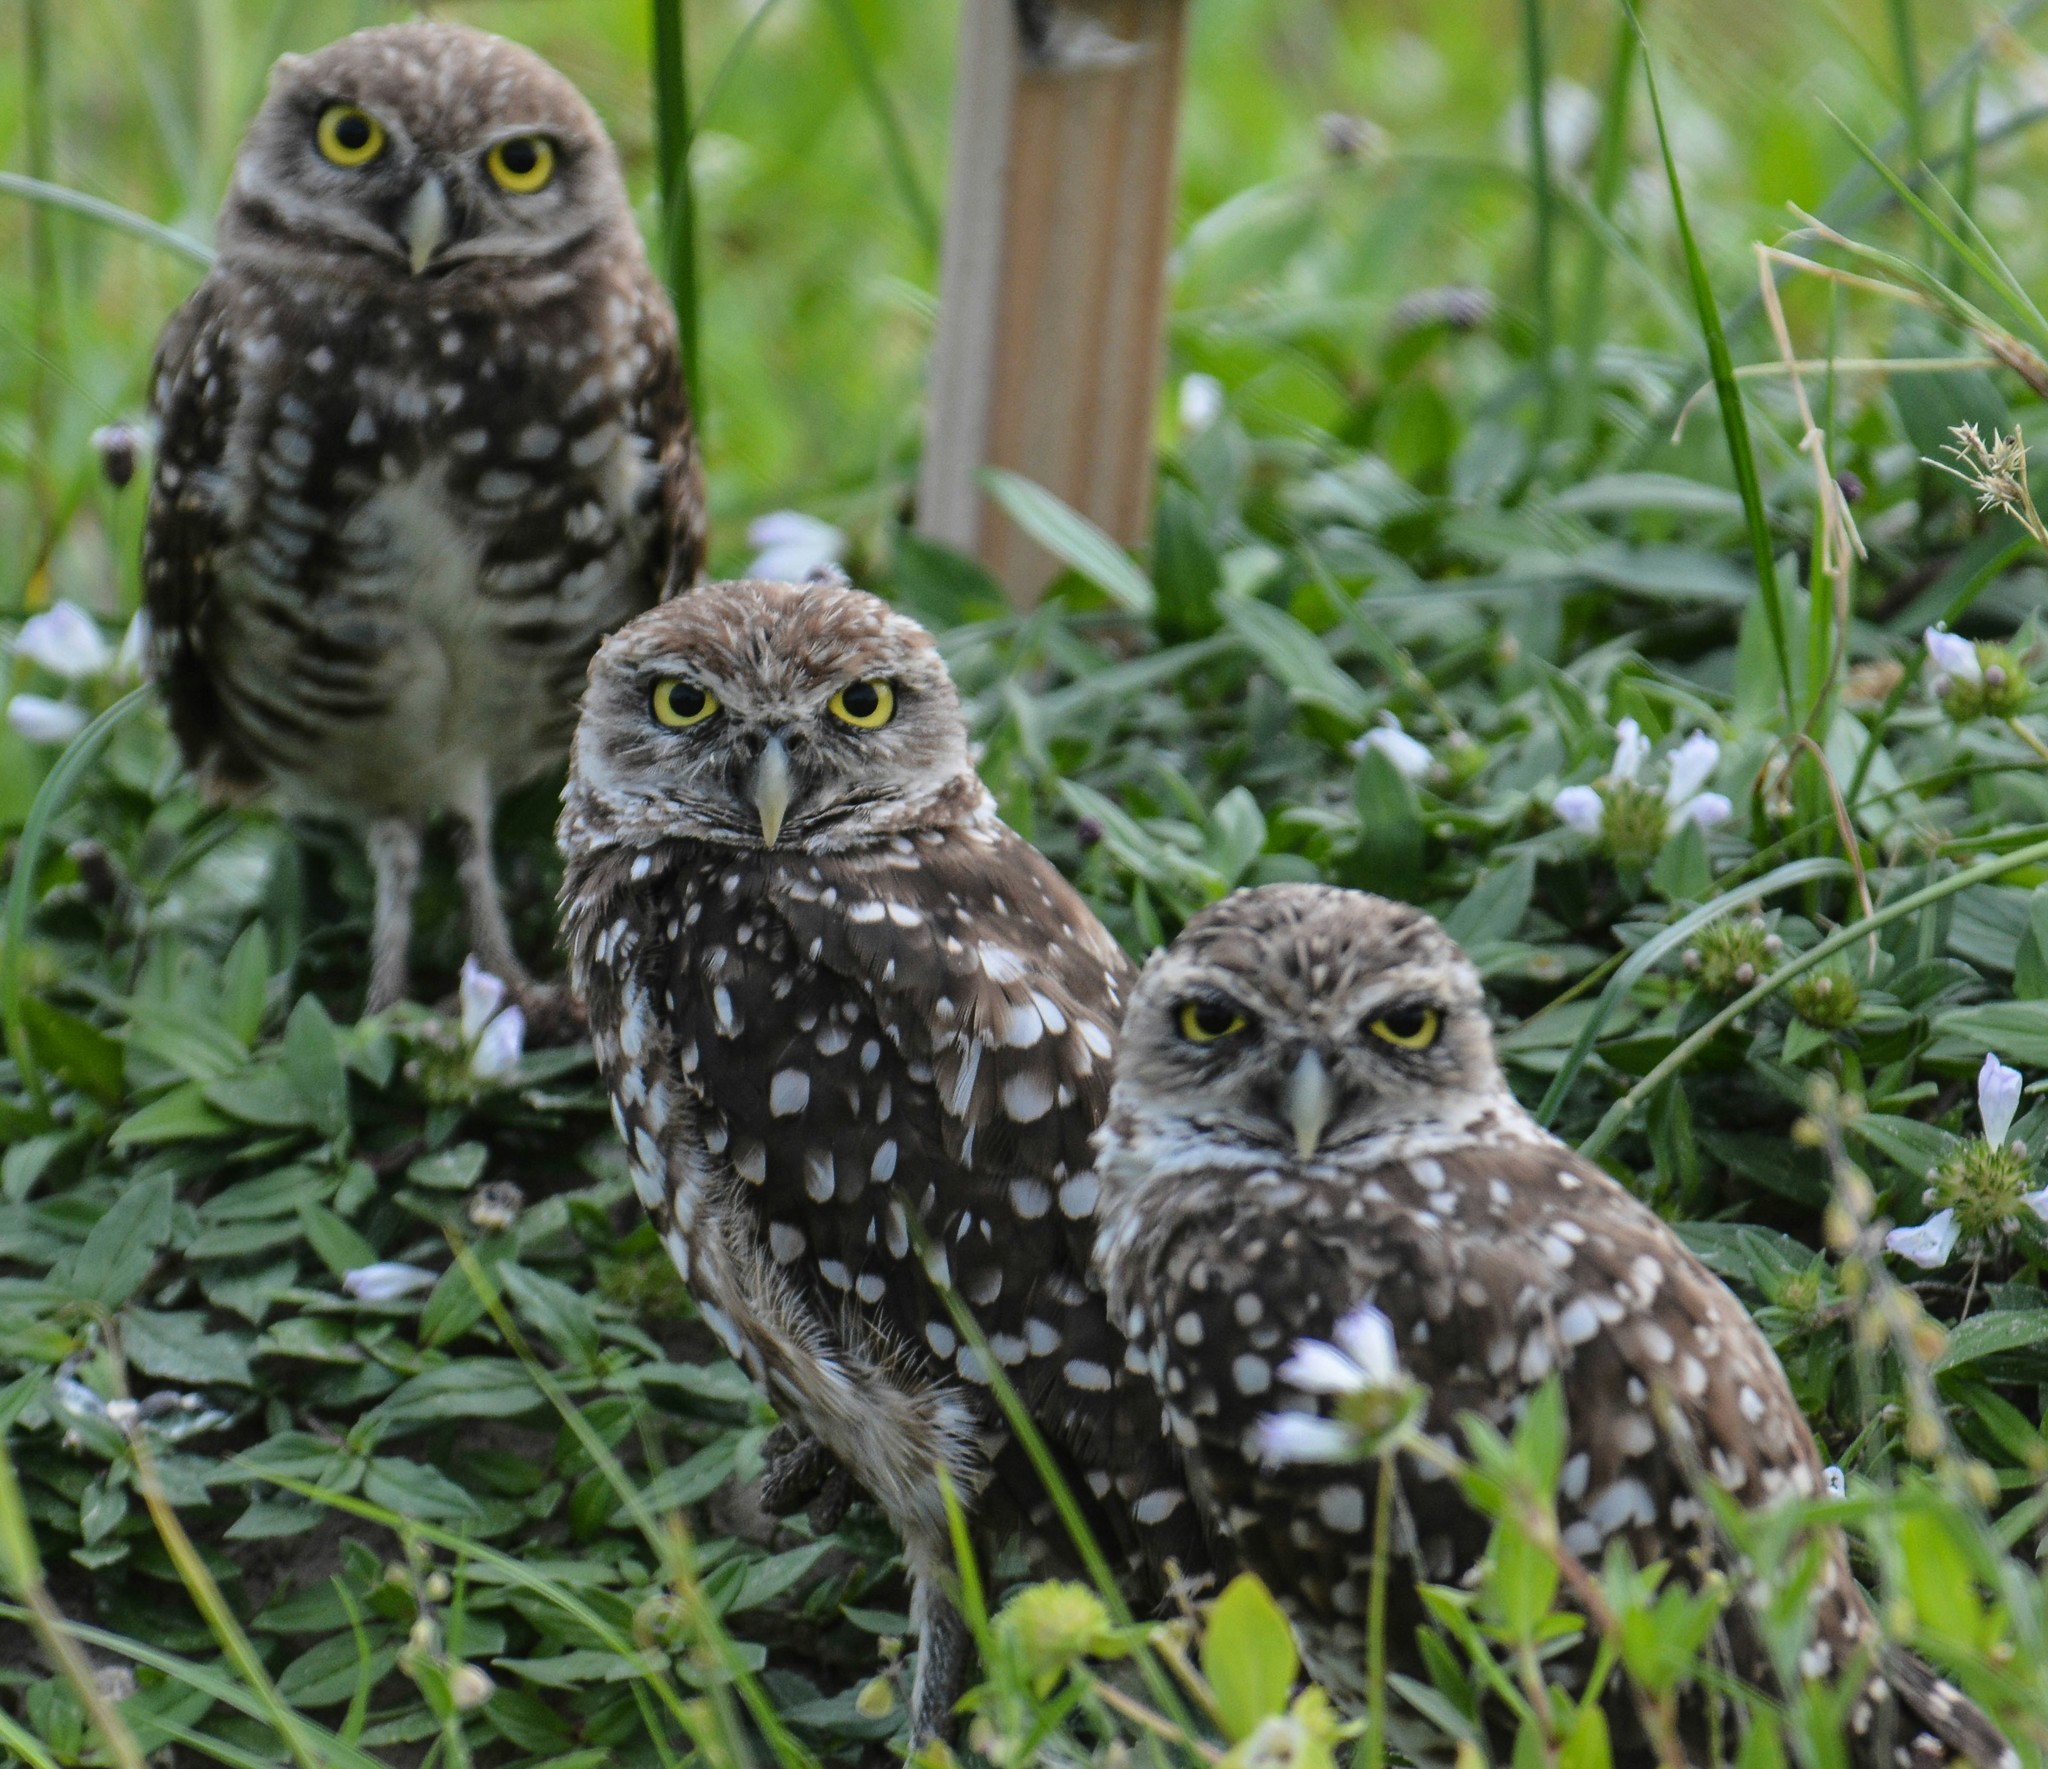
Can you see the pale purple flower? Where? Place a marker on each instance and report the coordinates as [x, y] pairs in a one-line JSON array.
[[1691, 766], [1929, 1245], [66, 641], [1998, 1098], [1579, 808], [790, 545], [1411, 758], [387, 1280], [1954, 658], [1364, 1356], [1631, 750], [43, 720], [1302, 1437], [482, 995], [498, 1050], [1835, 1481], [1201, 402], [1704, 808]]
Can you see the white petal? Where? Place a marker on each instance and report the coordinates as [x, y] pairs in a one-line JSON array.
[[498, 1050], [65, 640], [1998, 1098], [1929, 1245], [134, 647], [1953, 655], [386, 1280], [1201, 402], [482, 996], [1320, 1368], [1368, 1336], [1835, 1481], [1410, 758], [1692, 766], [1580, 808], [1631, 749], [1301, 1437], [2037, 1202], [1704, 808], [792, 545], [43, 720]]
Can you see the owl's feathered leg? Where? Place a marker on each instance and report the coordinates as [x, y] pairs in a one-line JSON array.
[[394, 844], [490, 936], [943, 1646]]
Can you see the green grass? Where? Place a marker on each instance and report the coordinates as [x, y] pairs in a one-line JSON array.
[[534, 1468]]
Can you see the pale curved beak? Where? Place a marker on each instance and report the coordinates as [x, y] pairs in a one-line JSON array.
[[772, 788], [426, 223], [1309, 1098]]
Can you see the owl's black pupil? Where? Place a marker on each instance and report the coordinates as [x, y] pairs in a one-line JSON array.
[[1405, 1022], [685, 700], [861, 700], [519, 157], [353, 132], [1213, 1019]]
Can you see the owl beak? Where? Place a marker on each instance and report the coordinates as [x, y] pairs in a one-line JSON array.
[[772, 788], [1309, 1099], [426, 223]]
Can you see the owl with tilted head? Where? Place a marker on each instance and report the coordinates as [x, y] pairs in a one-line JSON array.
[[857, 1034], [1313, 1177], [423, 443]]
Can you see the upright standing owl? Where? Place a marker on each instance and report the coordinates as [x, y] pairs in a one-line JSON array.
[[857, 1035], [423, 444], [1308, 1117]]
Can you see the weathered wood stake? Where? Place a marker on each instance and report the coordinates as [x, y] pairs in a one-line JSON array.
[[1053, 275]]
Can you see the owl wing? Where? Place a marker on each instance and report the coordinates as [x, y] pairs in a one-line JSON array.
[[660, 418], [193, 397]]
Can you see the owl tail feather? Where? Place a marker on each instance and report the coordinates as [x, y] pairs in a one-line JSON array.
[[1954, 1730]]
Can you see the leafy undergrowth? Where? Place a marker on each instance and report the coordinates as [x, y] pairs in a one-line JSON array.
[[353, 1415]]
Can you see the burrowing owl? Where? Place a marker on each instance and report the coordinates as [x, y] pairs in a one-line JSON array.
[[1308, 1117], [857, 1034], [423, 444]]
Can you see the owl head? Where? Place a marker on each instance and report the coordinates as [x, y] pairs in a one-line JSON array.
[[424, 151], [1300, 1019], [760, 715]]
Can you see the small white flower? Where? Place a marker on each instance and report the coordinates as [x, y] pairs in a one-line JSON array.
[[792, 545], [1929, 1245], [1364, 1357], [1631, 750], [1998, 1098], [2037, 1202], [470, 1686], [123, 1413], [1579, 808], [1302, 1437], [1835, 1481], [1201, 402], [1692, 765], [1411, 758], [134, 647], [1953, 656], [387, 1280], [1704, 808], [66, 641], [482, 995], [43, 720], [498, 1050], [76, 1399]]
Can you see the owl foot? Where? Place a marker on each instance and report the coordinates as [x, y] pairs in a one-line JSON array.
[[553, 1015], [801, 1472]]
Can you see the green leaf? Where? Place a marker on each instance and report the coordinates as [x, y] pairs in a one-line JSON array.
[[312, 1059], [341, 1249], [563, 1316], [1248, 1657], [1185, 569], [265, 1096], [75, 1049], [1493, 908], [179, 1116], [1985, 1335], [2016, 1030], [118, 1253], [1296, 659], [1389, 855], [415, 1489], [453, 1169], [182, 1347], [1071, 538], [244, 978], [470, 1388]]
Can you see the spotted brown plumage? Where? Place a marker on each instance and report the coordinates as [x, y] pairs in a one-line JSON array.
[[857, 1034], [423, 442], [1308, 1117]]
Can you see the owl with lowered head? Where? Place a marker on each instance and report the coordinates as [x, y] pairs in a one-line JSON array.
[[1314, 1178], [423, 443], [856, 1034]]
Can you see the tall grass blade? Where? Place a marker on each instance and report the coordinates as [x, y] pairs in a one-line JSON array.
[[1536, 82], [1912, 109], [1797, 965], [895, 142], [76, 202], [51, 797], [37, 131], [1727, 392], [672, 134], [1610, 170]]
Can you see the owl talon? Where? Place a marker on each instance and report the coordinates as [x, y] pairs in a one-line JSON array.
[[828, 1510], [796, 1470], [553, 1016]]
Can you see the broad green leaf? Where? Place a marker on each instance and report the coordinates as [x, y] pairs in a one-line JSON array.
[[75, 1049], [341, 1249], [1297, 660], [1985, 1335], [415, 1489], [453, 1169], [244, 978], [123, 1244], [179, 1116], [1071, 538], [312, 1058], [1248, 1656]]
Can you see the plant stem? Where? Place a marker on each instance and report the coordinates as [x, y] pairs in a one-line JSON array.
[[1609, 167], [1536, 78], [1373, 1754], [2020, 730], [42, 277], [895, 143], [671, 49]]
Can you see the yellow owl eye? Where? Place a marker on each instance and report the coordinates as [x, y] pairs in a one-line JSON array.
[[522, 165], [869, 705], [679, 705], [1203, 1022], [1408, 1028], [348, 135]]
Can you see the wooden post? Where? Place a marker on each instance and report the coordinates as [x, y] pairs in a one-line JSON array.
[[1053, 277]]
